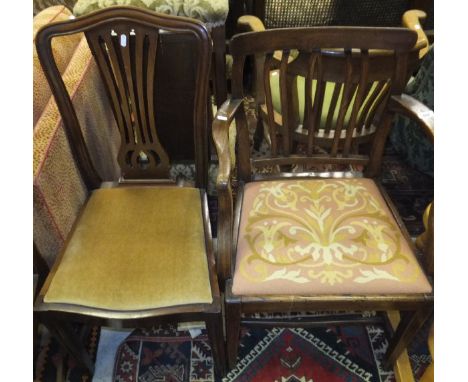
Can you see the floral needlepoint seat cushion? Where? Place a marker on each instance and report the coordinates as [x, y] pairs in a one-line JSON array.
[[322, 236]]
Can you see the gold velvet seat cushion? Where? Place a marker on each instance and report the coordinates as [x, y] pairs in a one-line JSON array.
[[322, 236], [135, 248]]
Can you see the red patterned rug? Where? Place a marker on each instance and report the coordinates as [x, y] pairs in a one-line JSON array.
[[304, 355], [164, 355], [329, 354]]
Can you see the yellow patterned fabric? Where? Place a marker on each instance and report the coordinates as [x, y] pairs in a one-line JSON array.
[[58, 190], [322, 236], [135, 248], [62, 48], [39, 5], [211, 12]]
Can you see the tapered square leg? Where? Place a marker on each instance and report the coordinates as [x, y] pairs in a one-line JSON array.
[[233, 320], [214, 327], [406, 330], [71, 342]]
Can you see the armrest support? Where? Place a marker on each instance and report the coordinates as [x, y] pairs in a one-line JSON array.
[[249, 23], [223, 119], [416, 111], [221, 123], [429, 245], [424, 117], [412, 19], [425, 241]]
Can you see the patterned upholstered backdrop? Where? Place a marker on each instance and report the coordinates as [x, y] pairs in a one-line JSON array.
[[39, 5], [212, 12], [303, 13]]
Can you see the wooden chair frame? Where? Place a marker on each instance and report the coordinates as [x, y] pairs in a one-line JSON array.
[[401, 42], [57, 317], [411, 19]]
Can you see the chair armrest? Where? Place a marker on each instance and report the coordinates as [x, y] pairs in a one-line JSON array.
[[221, 123], [222, 120], [249, 23], [412, 19], [424, 117], [416, 111]]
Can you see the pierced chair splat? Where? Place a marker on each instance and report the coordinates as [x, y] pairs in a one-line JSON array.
[[139, 241]]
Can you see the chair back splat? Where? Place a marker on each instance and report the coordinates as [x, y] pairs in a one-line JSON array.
[[333, 85], [125, 44]]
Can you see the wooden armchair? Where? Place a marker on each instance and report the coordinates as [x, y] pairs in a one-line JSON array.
[[272, 14], [140, 251], [302, 239], [267, 15]]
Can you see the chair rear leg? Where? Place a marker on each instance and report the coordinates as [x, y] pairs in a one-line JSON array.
[[36, 339], [214, 327], [406, 330], [70, 341], [233, 318]]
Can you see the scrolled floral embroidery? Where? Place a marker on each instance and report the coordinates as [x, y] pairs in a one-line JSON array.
[[329, 231]]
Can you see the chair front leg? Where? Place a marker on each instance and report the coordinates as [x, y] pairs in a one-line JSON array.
[[71, 343], [406, 330], [214, 327], [233, 320]]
